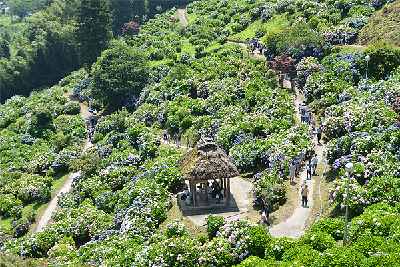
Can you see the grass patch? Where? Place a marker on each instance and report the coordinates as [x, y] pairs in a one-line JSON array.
[[249, 32], [12, 260], [190, 17], [188, 48], [285, 211], [384, 25], [175, 213], [277, 22], [6, 222], [155, 63]]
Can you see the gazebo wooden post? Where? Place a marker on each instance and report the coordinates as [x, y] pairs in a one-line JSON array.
[[205, 191], [192, 189], [195, 194], [225, 183], [228, 188]]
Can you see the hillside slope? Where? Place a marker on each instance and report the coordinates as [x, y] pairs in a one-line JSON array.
[[384, 25]]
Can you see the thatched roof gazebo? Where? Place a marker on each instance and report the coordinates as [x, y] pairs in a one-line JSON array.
[[204, 162]]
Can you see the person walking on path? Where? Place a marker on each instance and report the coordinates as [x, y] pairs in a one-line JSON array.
[[308, 168], [292, 84], [301, 158], [165, 134], [266, 211], [292, 171], [304, 194], [297, 163], [187, 142], [314, 163], [319, 134], [263, 219], [179, 137]]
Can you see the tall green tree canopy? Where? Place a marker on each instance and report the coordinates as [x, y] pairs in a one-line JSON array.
[[93, 29], [120, 72]]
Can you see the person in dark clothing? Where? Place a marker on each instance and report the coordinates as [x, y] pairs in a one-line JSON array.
[[266, 211]]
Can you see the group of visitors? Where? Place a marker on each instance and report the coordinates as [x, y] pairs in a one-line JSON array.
[[255, 44], [176, 139], [215, 190], [306, 115], [311, 167]]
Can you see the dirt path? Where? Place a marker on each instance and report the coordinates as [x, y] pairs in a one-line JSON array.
[[46, 217], [85, 113], [181, 15], [294, 226]]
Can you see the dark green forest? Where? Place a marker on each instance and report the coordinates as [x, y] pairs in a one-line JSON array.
[[60, 36]]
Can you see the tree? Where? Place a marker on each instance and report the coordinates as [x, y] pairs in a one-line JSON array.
[[131, 28], [4, 49], [384, 57], [120, 72], [123, 12], [93, 31]]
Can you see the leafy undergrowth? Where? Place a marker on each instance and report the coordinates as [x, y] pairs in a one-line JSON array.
[[384, 25], [174, 212], [10, 260], [277, 22]]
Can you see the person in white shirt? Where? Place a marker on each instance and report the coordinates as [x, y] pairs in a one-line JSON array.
[[292, 171], [315, 163]]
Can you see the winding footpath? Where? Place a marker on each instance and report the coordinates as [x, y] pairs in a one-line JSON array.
[[294, 226], [181, 15], [46, 217]]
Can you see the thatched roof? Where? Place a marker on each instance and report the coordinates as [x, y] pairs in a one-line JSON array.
[[206, 161]]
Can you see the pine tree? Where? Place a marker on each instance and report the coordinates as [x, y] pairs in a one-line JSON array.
[[93, 31]]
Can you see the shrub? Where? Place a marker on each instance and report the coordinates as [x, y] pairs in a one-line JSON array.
[[258, 238], [303, 254], [97, 137], [276, 248], [175, 228], [384, 57], [222, 39], [20, 227], [72, 108], [213, 225], [367, 244], [332, 226], [16, 211], [319, 241], [8, 202], [42, 115], [338, 257], [255, 261]]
